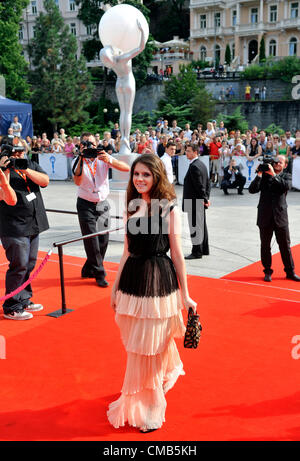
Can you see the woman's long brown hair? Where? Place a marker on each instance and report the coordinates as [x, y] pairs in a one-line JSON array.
[[161, 189]]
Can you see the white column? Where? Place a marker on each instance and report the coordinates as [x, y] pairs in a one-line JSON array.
[[261, 11], [238, 13]]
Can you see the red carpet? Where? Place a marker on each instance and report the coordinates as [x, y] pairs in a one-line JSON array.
[[242, 383]]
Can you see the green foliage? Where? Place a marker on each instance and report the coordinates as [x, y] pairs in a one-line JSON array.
[[12, 64], [274, 129], [262, 50], [283, 69], [169, 18], [186, 99], [61, 83], [202, 106], [227, 55], [200, 64], [181, 88], [236, 121]]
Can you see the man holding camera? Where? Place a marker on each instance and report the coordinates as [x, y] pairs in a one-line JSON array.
[[273, 183], [20, 226], [233, 178], [90, 173]]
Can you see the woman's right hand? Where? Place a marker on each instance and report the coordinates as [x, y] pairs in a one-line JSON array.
[[189, 302], [113, 299]]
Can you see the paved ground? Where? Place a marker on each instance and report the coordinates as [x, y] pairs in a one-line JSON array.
[[231, 220]]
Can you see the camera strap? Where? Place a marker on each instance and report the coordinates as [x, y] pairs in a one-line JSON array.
[[93, 172], [75, 166], [23, 176]]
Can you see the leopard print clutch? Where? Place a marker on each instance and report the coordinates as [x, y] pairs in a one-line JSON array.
[[193, 330]]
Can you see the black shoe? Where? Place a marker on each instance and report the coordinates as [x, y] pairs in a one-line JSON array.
[[294, 277], [225, 192], [102, 283], [268, 278], [87, 275], [241, 193], [145, 431], [193, 256]]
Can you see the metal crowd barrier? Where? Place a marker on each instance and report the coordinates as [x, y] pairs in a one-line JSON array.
[[59, 246]]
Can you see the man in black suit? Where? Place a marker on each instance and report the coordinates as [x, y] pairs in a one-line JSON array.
[[233, 178], [196, 190], [272, 216]]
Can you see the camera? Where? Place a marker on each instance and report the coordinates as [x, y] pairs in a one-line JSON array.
[[89, 151], [18, 163], [266, 161]]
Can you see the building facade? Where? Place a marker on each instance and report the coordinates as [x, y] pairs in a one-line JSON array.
[[241, 24], [69, 12]]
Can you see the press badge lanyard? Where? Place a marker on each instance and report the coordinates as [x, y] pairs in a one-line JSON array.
[[31, 195], [93, 172]]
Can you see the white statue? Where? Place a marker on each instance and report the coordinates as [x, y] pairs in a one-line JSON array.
[[121, 64]]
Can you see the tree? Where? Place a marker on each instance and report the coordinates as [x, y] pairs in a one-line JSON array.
[[12, 64], [61, 82], [90, 13], [235, 121], [202, 106], [262, 50], [228, 55], [169, 18], [181, 88]]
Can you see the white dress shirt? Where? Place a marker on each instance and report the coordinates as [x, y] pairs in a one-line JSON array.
[[167, 161], [94, 189]]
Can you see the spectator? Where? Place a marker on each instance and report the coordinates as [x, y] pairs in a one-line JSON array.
[[115, 131], [214, 147], [263, 93], [283, 148], [62, 135], [248, 92], [57, 148], [16, 127], [167, 160], [58, 139], [161, 148], [188, 132], [175, 128], [254, 150], [45, 143], [256, 93], [289, 139], [69, 150]]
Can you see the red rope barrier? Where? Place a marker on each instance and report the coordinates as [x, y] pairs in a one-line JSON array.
[[31, 278]]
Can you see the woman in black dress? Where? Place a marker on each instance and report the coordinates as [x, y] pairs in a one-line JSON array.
[[148, 294]]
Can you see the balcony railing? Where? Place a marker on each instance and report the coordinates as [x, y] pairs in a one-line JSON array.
[[170, 56], [207, 3]]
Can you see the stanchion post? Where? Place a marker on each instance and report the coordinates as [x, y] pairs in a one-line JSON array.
[[64, 309]]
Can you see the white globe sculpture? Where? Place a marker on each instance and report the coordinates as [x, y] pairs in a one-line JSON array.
[[123, 31], [118, 27]]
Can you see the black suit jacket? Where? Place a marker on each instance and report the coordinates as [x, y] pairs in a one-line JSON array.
[[196, 183], [272, 203]]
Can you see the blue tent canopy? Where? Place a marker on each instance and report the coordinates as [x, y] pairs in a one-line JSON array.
[[10, 108]]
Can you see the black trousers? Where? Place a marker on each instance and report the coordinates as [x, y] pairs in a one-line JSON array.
[[282, 235], [94, 217], [198, 233]]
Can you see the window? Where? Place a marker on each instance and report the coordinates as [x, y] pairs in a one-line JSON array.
[[217, 19], [233, 51], [273, 13], [72, 5], [293, 47], [34, 31], [294, 9], [234, 17], [89, 30], [202, 21], [73, 28], [33, 7], [254, 15], [21, 33], [272, 47], [203, 53], [217, 54]]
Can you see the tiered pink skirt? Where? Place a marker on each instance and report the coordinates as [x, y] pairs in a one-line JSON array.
[[148, 327]]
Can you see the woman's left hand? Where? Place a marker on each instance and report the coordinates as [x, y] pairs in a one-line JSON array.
[[189, 302]]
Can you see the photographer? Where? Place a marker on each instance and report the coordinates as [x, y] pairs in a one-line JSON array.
[[90, 174], [20, 226], [7, 194], [273, 184], [233, 178]]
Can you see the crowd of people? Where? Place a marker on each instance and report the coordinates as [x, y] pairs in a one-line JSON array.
[[213, 140]]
